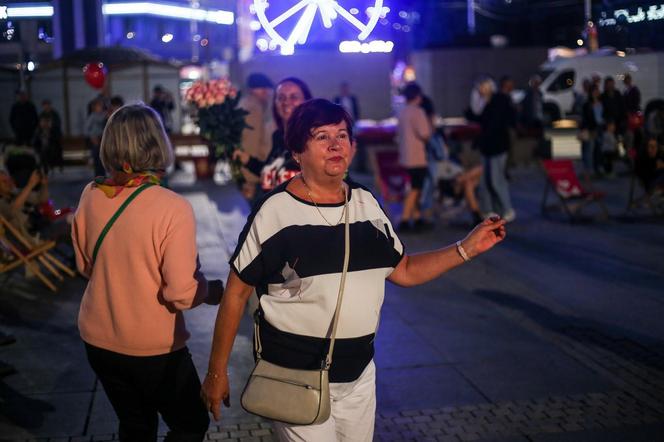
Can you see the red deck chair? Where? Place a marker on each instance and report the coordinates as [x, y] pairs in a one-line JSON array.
[[562, 179], [390, 177]]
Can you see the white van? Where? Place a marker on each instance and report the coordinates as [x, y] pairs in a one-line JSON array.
[[562, 78]]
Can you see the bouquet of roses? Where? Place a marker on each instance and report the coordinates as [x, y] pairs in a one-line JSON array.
[[220, 119]]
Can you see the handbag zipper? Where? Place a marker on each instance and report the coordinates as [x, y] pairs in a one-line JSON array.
[[286, 381]]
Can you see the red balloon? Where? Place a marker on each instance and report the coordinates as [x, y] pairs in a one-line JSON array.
[[95, 74]]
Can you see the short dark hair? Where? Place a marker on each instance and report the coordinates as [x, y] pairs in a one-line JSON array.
[[310, 115], [411, 91], [117, 100], [299, 83], [427, 106]]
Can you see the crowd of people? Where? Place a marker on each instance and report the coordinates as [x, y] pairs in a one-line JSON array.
[[135, 241]]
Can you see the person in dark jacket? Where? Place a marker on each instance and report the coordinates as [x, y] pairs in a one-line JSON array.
[[497, 121], [348, 101], [532, 112], [47, 111], [592, 123], [631, 96], [649, 166], [23, 119], [614, 106], [47, 143]]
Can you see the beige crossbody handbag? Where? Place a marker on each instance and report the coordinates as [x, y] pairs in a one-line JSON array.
[[298, 397]]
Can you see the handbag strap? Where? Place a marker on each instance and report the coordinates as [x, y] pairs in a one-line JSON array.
[[115, 216], [335, 319], [328, 358]]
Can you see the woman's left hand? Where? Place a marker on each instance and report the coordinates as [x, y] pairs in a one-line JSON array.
[[484, 236]]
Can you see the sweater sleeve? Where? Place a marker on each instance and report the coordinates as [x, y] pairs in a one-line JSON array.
[[184, 286], [421, 125], [78, 237]]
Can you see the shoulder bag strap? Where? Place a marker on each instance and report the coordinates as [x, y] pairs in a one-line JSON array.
[[115, 216], [335, 319], [328, 359]]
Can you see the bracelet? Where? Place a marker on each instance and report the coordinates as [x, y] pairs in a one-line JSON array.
[[214, 375], [462, 252]]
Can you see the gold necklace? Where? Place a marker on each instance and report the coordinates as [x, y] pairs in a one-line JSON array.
[[318, 209]]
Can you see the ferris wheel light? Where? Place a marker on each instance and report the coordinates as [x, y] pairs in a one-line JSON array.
[[329, 10]]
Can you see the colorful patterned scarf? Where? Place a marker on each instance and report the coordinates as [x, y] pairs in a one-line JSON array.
[[113, 185]]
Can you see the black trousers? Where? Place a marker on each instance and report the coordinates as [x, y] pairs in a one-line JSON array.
[[141, 387]]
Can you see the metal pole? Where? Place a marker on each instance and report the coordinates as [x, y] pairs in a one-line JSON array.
[[588, 10], [471, 16]]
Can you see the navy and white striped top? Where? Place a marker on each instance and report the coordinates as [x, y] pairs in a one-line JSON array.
[[294, 259]]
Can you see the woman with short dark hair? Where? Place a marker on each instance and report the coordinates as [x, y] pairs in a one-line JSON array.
[[292, 252]]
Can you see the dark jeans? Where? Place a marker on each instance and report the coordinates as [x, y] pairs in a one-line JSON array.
[[140, 387]]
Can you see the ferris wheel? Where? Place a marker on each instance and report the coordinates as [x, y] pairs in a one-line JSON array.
[[304, 11]]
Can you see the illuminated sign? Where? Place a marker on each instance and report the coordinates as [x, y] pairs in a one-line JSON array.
[[652, 13], [130, 8], [305, 11], [17, 11], [170, 11], [366, 47]]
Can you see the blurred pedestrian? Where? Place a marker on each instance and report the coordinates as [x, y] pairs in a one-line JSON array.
[[348, 101], [116, 103], [631, 95], [94, 128], [256, 139], [279, 165], [23, 119], [480, 95], [609, 147], [632, 101], [47, 143], [532, 110], [591, 128], [48, 111], [414, 132], [498, 120], [614, 105], [649, 166], [434, 154], [143, 272], [162, 102]]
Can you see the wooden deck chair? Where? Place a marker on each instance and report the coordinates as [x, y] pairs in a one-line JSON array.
[[391, 179], [563, 181], [33, 257]]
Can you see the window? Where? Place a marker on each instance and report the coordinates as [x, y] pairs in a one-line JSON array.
[[564, 81]]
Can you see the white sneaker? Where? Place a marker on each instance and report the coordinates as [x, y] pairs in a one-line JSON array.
[[509, 216]]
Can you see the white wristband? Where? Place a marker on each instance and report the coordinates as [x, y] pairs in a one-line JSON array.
[[462, 252]]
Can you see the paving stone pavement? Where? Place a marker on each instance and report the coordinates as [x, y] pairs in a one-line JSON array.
[[608, 331]]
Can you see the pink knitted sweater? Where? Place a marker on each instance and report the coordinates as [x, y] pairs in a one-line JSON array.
[[145, 273]]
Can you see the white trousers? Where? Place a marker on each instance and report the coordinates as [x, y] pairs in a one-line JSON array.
[[352, 417]]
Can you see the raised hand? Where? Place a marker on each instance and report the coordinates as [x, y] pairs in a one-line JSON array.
[[242, 156], [484, 236]]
